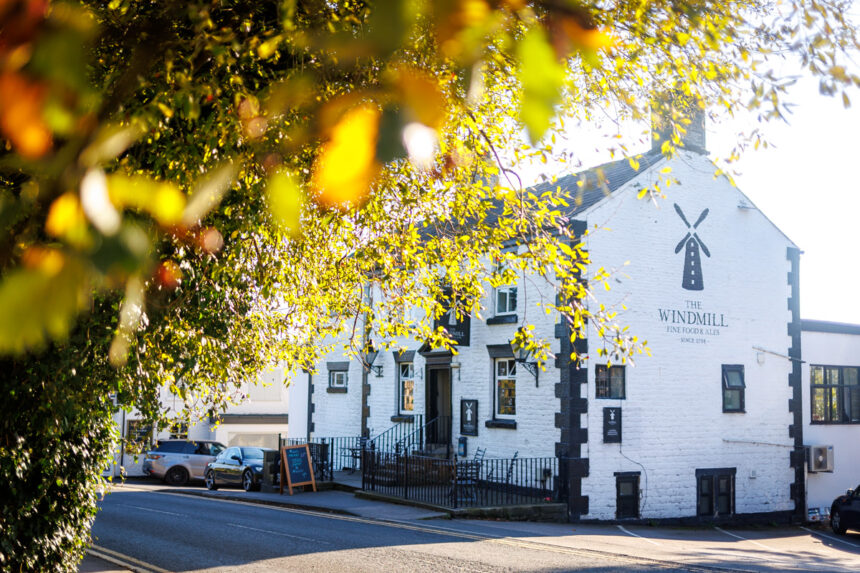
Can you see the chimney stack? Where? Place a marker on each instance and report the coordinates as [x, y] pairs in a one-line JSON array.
[[688, 112]]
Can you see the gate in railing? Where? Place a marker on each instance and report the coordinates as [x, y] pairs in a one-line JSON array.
[[468, 483]]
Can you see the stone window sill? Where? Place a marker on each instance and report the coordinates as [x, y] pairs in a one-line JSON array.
[[403, 419], [331, 390], [504, 424]]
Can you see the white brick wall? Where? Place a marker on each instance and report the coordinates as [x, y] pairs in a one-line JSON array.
[[337, 415], [830, 349], [672, 417]]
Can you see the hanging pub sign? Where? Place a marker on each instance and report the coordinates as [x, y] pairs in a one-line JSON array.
[[469, 417], [611, 425], [457, 327]]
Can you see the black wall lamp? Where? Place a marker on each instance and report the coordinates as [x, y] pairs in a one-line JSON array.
[[370, 358], [522, 355]]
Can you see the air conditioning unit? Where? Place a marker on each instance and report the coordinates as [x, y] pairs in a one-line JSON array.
[[820, 459]]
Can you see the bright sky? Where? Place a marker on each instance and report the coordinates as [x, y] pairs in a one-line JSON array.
[[807, 186], [805, 183]]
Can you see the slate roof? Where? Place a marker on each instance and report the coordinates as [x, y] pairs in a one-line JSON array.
[[599, 181], [808, 325]]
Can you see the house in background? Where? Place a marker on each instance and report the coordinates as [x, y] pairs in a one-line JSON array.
[[257, 421], [831, 413], [708, 427]]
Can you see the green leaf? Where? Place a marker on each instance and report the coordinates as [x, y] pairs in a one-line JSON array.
[[41, 302], [542, 78]]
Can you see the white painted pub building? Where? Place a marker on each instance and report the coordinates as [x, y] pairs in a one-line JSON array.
[[710, 425]]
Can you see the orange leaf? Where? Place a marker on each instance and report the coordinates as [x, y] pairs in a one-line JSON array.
[[21, 115], [421, 93]]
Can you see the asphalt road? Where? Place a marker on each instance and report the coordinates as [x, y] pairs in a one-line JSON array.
[[181, 533]]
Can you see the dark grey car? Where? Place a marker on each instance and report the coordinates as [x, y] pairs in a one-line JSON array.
[[237, 466], [845, 512], [178, 461]]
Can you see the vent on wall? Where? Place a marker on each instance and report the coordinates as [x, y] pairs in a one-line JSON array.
[[820, 459]]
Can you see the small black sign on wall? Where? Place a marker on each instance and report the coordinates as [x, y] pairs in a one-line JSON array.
[[469, 417], [611, 425]]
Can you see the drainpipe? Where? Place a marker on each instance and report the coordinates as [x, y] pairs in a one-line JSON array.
[[310, 415], [121, 447]]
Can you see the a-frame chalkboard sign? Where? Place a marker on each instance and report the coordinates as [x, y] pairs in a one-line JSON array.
[[296, 467]]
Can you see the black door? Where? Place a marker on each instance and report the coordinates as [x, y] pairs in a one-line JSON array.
[[627, 496], [439, 405]]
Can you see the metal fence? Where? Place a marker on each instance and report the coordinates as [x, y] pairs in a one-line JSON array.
[[392, 439], [331, 454], [468, 483]]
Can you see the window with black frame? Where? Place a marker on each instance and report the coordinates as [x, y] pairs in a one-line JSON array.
[[406, 372], [179, 430], [506, 387], [138, 433], [734, 388], [610, 382], [505, 295], [338, 379], [834, 394]]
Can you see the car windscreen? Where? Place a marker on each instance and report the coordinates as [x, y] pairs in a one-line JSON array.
[[252, 453]]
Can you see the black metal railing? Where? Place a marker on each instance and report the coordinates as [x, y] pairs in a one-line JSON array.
[[468, 483], [427, 438], [331, 454], [390, 439]]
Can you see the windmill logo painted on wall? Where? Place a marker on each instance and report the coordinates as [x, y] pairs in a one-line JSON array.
[[692, 279]]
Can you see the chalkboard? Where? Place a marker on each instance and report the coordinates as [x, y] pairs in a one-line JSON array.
[[296, 467]]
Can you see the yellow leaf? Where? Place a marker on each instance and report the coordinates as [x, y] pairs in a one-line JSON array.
[[165, 110], [163, 200], [285, 202], [346, 165], [268, 48], [66, 220]]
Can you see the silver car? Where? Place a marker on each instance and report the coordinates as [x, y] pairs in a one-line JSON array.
[[178, 461]]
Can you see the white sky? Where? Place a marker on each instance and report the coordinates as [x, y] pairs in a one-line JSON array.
[[806, 183]]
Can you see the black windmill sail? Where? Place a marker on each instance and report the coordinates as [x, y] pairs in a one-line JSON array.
[[692, 279]]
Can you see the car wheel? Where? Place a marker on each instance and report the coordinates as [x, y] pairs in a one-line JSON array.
[[836, 522], [248, 481], [210, 481], [176, 475]]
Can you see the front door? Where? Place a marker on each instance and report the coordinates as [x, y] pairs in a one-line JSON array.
[[627, 496], [439, 405]]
